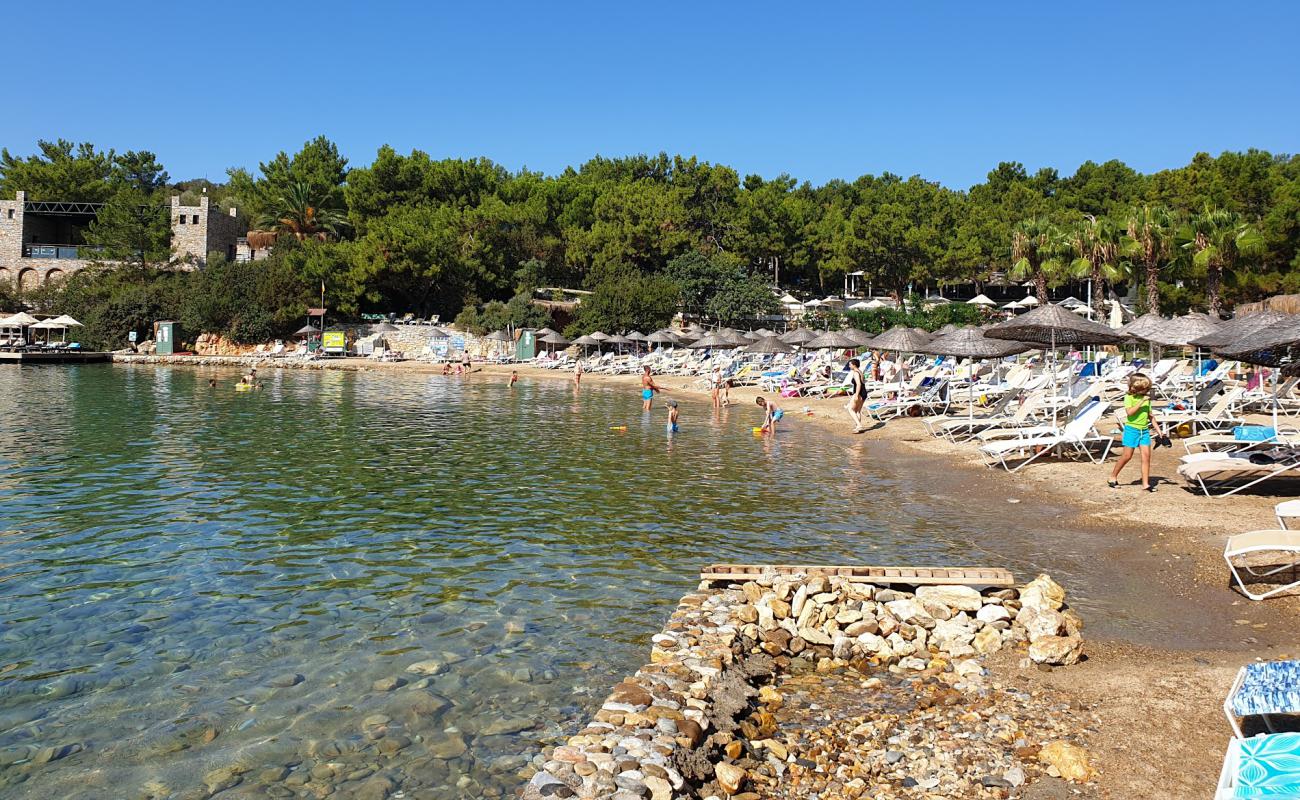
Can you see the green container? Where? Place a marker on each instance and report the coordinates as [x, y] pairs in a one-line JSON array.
[[166, 337], [526, 346]]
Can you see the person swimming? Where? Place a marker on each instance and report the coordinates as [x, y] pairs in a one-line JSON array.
[[514, 377]]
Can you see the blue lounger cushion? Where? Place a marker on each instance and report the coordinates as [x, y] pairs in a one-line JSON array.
[[1268, 766], [1269, 687]]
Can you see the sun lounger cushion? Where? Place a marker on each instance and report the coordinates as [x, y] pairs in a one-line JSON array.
[[1268, 766], [1269, 687]]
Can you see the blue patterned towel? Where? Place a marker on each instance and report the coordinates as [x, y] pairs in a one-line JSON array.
[[1268, 766], [1270, 687]]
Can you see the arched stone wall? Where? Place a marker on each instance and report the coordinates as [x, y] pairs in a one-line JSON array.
[[54, 276], [28, 279], [6, 276]]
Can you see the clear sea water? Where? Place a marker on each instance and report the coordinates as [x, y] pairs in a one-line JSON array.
[[195, 580]]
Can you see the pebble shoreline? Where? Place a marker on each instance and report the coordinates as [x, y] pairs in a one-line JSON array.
[[673, 729]]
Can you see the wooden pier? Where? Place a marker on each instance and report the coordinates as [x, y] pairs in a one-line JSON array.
[[52, 357], [911, 576]]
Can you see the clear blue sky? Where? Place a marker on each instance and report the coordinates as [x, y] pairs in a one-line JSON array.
[[819, 90]]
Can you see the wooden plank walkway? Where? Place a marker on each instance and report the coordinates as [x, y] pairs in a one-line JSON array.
[[912, 576]]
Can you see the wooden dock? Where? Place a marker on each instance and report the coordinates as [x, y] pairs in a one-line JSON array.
[[911, 576], [52, 357]]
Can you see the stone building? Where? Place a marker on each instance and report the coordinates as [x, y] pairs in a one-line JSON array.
[[42, 240]]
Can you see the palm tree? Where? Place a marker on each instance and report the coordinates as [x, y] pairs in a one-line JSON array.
[[1035, 245], [1218, 241], [298, 213], [1149, 241], [1095, 244]]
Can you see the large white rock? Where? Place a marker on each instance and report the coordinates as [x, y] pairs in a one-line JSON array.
[[1042, 594], [1038, 624], [908, 611], [1059, 650], [960, 598], [992, 613]]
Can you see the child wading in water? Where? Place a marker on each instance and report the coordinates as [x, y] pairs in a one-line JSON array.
[[672, 416], [772, 415], [1138, 423], [514, 377]]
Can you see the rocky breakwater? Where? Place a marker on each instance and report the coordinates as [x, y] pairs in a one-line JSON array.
[[673, 729], [261, 361]]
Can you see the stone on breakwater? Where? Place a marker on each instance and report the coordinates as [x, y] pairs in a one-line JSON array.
[[1042, 594], [1058, 650], [958, 598], [715, 653]]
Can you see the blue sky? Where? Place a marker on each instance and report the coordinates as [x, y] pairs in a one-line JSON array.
[[819, 90]]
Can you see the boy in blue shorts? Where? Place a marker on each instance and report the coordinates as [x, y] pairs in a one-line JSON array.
[[1138, 424]]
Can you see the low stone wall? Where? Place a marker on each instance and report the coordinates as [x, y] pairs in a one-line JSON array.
[[660, 733]]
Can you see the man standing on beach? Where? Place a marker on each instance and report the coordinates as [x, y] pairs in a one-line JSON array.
[[648, 388], [857, 394]]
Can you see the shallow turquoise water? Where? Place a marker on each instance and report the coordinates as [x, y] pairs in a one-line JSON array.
[[170, 554]]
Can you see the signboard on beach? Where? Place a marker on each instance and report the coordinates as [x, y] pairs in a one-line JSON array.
[[334, 342]]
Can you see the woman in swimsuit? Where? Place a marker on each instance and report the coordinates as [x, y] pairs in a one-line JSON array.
[[857, 394]]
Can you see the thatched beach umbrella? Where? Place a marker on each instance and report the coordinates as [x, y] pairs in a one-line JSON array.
[[598, 336], [710, 340], [972, 343], [981, 300], [64, 319], [661, 337], [1052, 325], [863, 338], [902, 339], [636, 336], [1140, 327], [799, 336], [384, 327], [544, 332], [1238, 327], [618, 340], [763, 333], [832, 340], [307, 330], [554, 340], [1270, 347], [1181, 331], [769, 344]]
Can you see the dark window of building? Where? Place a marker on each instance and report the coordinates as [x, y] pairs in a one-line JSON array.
[[11, 213], [196, 219], [182, 219]]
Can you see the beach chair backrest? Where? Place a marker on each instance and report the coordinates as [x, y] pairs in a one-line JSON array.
[[1203, 396], [1087, 417], [1224, 403]]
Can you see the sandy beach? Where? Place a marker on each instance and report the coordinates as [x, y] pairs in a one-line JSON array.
[[1157, 696]]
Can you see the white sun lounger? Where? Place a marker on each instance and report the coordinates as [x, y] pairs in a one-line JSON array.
[[1283, 542], [1077, 436]]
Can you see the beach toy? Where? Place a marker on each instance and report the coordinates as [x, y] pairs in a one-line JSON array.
[[618, 427], [759, 430], [243, 387]]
